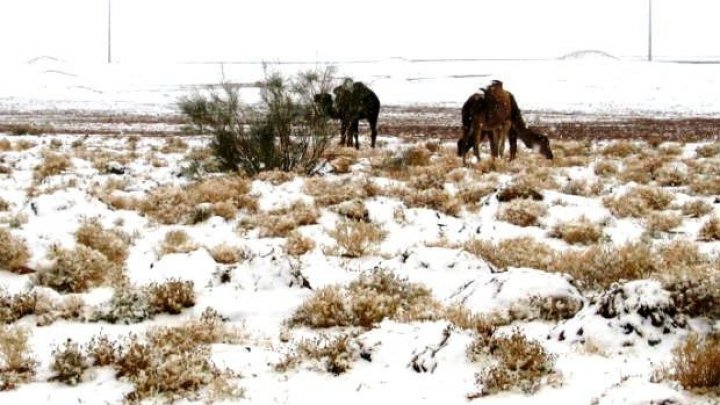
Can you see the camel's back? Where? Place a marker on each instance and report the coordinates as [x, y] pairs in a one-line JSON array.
[[499, 105]]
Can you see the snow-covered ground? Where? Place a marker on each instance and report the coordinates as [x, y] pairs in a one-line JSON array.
[[597, 361], [587, 83]]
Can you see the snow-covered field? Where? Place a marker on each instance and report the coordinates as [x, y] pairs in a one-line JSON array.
[[607, 345]]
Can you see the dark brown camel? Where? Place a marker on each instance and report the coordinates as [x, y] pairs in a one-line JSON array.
[[353, 102], [474, 107]]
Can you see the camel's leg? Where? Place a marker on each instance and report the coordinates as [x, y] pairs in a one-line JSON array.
[[494, 143], [512, 137], [474, 137], [373, 130], [502, 135], [343, 131], [354, 133]]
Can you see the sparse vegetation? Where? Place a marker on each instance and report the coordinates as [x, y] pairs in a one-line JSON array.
[[365, 302], [581, 231], [78, 270], [695, 364], [357, 238], [521, 363], [710, 230], [14, 253], [17, 365], [287, 132], [522, 212]]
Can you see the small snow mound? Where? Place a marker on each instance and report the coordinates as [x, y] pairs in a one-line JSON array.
[[588, 54], [521, 293], [639, 310]]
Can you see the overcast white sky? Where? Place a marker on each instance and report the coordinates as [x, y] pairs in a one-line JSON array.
[[311, 30]]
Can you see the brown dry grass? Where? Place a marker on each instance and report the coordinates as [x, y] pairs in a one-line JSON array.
[[335, 354], [176, 241], [174, 363], [696, 208], [367, 301], [522, 212], [296, 244], [171, 296], [661, 222], [521, 363], [17, 365], [708, 150], [357, 238], [710, 230], [581, 231], [14, 252], [16, 306], [605, 168], [227, 254], [523, 251], [78, 270], [696, 364], [326, 192], [639, 201], [435, 199], [280, 222], [68, 363], [52, 164], [621, 149], [112, 243]]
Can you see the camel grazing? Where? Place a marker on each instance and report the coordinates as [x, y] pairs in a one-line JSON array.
[[488, 113], [477, 106], [353, 102]]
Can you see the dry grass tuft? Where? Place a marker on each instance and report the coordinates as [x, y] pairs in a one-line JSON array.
[[605, 168], [175, 363], [171, 296], [279, 223], [335, 354], [4, 205], [696, 364], [661, 222], [366, 302], [696, 208], [16, 306], [707, 151], [357, 238], [710, 230], [275, 177], [621, 149], [226, 254], [523, 187], [68, 363], [52, 164], [598, 266], [581, 232], [523, 251], [472, 197], [433, 198], [167, 205], [639, 202], [177, 241], [705, 185], [333, 192], [521, 363], [78, 270], [14, 253], [101, 351], [416, 156], [522, 212], [112, 243], [16, 363], [297, 245]]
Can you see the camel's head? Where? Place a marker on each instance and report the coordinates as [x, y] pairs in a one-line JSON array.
[[463, 146], [542, 144], [324, 101]]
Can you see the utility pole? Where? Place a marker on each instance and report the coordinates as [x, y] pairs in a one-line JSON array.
[[109, 34], [649, 30]]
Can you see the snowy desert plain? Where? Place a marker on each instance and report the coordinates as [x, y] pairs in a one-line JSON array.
[[129, 272]]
